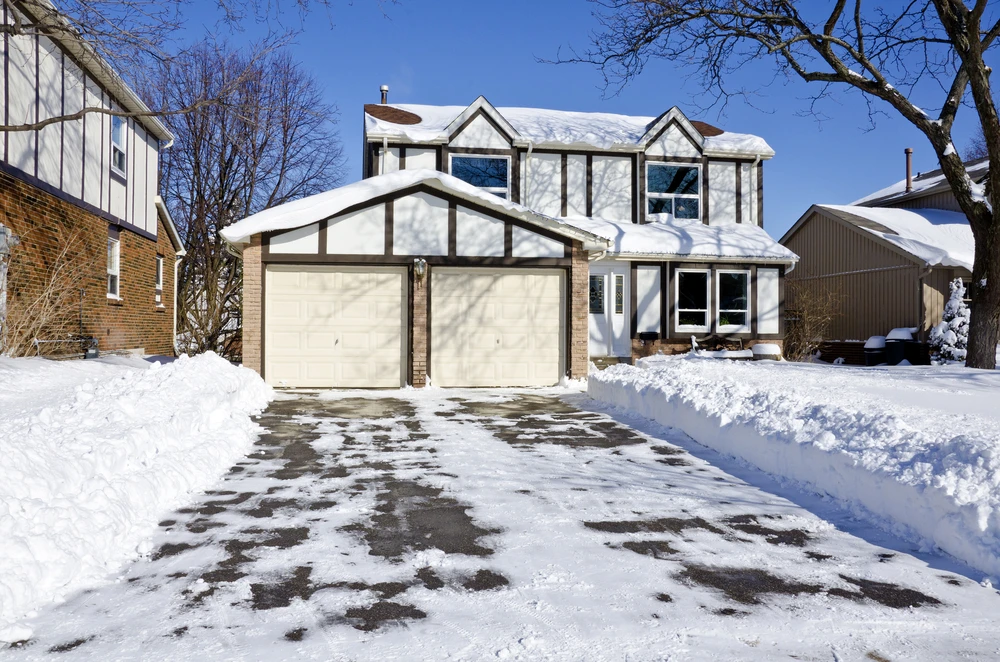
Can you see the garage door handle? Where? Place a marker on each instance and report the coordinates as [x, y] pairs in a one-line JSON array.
[[498, 341]]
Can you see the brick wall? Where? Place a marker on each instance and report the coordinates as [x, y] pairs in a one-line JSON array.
[[58, 237], [253, 275], [579, 349], [421, 304]]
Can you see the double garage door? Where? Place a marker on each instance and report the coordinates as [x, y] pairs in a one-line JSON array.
[[347, 327]]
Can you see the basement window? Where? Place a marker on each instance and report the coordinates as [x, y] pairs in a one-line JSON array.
[[488, 173], [692, 300], [114, 268], [672, 191], [118, 162]]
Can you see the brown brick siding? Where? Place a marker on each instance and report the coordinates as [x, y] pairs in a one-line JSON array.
[[579, 349], [418, 328], [46, 225], [253, 305]]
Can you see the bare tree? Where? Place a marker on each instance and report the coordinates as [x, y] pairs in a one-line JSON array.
[[891, 53], [270, 139], [133, 36], [977, 146], [812, 308]]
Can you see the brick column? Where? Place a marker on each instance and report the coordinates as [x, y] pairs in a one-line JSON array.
[[252, 304], [418, 327], [579, 350]]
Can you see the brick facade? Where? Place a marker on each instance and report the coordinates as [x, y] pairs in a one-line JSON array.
[[579, 346], [253, 305], [418, 327], [49, 228]]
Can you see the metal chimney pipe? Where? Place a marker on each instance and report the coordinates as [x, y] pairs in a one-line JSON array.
[[385, 94], [909, 168]]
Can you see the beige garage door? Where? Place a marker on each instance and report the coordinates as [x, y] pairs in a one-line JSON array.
[[334, 327], [497, 327]]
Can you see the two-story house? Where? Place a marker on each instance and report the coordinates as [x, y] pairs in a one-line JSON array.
[[81, 198], [510, 246], [887, 258]]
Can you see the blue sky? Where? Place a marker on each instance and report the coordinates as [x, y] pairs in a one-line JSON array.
[[451, 51]]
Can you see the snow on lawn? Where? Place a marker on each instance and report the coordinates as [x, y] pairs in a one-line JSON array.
[[915, 449], [92, 453]]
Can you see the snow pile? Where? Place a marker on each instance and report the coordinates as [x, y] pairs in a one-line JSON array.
[[950, 338], [914, 449], [92, 454]]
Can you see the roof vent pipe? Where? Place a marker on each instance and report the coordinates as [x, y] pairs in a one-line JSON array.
[[909, 169], [385, 94]]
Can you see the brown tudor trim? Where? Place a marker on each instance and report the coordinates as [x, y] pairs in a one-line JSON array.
[[62, 112], [664, 302], [508, 240], [704, 190], [469, 151], [643, 203], [739, 191], [563, 184], [515, 176], [752, 285], [633, 300], [390, 228], [480, 112], [322, 238], [8, 169], [590, 185], [6, 84], [402, 158], [398, 260], [638, 171], [760, 194], [452, 229], [38, 97], [666, 127]]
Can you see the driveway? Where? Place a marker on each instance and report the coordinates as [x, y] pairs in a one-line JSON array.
[[471, 525]]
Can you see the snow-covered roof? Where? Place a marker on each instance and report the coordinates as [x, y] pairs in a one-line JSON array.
[[305, 211], [934, 236], [733, 241], [551, 128], [923, 184]]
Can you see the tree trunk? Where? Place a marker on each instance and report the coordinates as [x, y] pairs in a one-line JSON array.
[[984, 327]]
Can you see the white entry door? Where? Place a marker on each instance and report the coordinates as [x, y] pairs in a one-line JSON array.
[[609, 310], [334, 326], [497, 327]]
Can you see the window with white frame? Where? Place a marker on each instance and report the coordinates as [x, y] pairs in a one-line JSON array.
[[619, 294], [490, 173], [118, 162], [691, 295], [672, 191], [159, 279], [597, 295], [733, 297], [114, 268]]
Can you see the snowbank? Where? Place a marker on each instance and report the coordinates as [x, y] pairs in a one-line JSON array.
[[915, 449], [93, 453]]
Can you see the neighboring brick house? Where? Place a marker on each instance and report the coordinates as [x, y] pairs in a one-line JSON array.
[[517, 244], [888, 257], [81, 197]]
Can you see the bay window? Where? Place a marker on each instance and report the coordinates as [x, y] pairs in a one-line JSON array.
[[733, 297], [672, 191], [691, 294]]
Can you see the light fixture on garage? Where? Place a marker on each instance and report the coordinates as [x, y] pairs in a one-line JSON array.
[[420, 267]]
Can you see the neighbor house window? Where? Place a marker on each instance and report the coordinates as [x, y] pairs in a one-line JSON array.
[[159, 278], [967, 297], [733, 295], [672, 190], [118, 144], [692, 300], [114, 267], [597, 295], [488, 173]]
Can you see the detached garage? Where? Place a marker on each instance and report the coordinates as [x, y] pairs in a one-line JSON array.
[[409, 277]]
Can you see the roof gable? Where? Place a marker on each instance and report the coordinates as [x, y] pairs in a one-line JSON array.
[[672, 117], [477, 108]]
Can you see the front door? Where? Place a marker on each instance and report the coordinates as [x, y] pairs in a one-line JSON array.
[[609, 310]]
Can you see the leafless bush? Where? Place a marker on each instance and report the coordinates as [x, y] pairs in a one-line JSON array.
[[44, 296], [812, 309]]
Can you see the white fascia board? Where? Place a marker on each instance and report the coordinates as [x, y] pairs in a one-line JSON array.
[[700, 259], [402, 138], [161, 208], [743, 156]]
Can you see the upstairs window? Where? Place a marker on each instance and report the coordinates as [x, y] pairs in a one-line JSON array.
[[734, 301], [114, 268], [488, 173], [118, 162], [672, 191]]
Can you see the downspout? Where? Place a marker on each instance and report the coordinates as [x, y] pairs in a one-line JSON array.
[[177, 260]]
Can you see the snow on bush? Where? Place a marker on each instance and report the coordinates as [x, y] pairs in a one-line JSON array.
[[92, 454], [950, 338], [930, 475]]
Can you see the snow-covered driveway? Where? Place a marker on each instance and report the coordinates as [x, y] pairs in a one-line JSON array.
[[471, 525]]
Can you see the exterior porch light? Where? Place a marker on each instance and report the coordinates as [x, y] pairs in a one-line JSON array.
[[420, 268]]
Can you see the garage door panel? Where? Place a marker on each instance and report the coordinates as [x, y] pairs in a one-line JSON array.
[[334, 326], [497, 327]]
